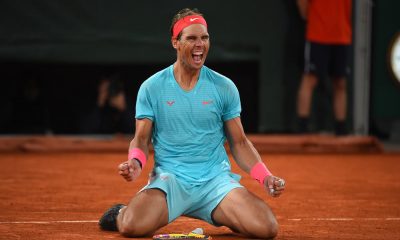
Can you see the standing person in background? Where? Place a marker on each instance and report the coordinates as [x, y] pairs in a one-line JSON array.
[[328, 41], [188, 111], [112, 113]]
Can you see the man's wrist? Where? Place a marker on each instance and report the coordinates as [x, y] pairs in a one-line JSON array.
[[139, 155], [140, 163], [260, 172]]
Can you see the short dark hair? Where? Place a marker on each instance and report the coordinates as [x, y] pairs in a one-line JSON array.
[[181, 14]]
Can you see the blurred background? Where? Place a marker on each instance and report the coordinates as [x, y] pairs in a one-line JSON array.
[[64, 63]]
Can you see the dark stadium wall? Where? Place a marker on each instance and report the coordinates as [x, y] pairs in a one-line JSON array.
[[69, 42], [67, 45]]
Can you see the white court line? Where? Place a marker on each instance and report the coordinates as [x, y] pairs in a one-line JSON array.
[[333, 219], [189, 220], [50, 222], [344, 219]]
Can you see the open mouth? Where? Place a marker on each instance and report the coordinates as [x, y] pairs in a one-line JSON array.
[[197, 57]]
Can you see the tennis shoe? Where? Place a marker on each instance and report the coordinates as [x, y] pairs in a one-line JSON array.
[[108, 221]]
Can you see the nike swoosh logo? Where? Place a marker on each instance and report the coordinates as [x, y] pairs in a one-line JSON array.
[[193, 19]]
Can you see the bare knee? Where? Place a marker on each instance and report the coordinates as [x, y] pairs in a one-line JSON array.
[[267, 229], [272, 231], [254, 219], [134, 230], [140, 218], [309, 81], [128, 231], [128, 226], [339, 84]]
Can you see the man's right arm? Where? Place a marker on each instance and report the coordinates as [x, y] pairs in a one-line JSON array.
[[132, 168], [142, 138]]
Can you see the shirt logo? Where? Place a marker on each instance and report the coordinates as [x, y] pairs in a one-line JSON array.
[[164, 178], [170, 103], [193, 19], [207, 102]]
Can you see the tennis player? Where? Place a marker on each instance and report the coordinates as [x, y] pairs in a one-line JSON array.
[[188, 111]]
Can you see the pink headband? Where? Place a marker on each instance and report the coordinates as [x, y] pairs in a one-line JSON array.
[[185, 22]]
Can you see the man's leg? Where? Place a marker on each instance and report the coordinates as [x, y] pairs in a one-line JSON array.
[[339, 70], [145, 213], [340, 105], [304, 100], [254, 218], [340, 98]]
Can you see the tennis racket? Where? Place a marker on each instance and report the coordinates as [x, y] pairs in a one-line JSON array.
[[195, 234], [180, 236]]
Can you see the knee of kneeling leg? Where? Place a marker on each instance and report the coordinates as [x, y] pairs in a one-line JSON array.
[[273, 230], [130, 230], [264, 229], [126, 230], [270, 230]]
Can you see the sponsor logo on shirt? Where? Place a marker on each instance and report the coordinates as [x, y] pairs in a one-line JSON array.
[[170, 103], [164, 178]]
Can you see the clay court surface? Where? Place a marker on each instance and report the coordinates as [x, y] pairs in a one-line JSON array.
[[58, 189]]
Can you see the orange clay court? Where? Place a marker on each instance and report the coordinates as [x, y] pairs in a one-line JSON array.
[[337, 188]]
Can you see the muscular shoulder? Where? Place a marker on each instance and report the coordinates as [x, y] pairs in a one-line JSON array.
[[220, 81], [156, 80]]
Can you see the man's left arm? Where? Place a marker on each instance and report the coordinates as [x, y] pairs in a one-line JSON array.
[[248, 159]]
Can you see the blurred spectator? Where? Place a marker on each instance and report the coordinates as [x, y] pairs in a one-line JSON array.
[[112, 113], [328, 40]]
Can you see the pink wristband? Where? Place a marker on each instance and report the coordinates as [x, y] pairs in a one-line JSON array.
[[259, 172], [138, 154]]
